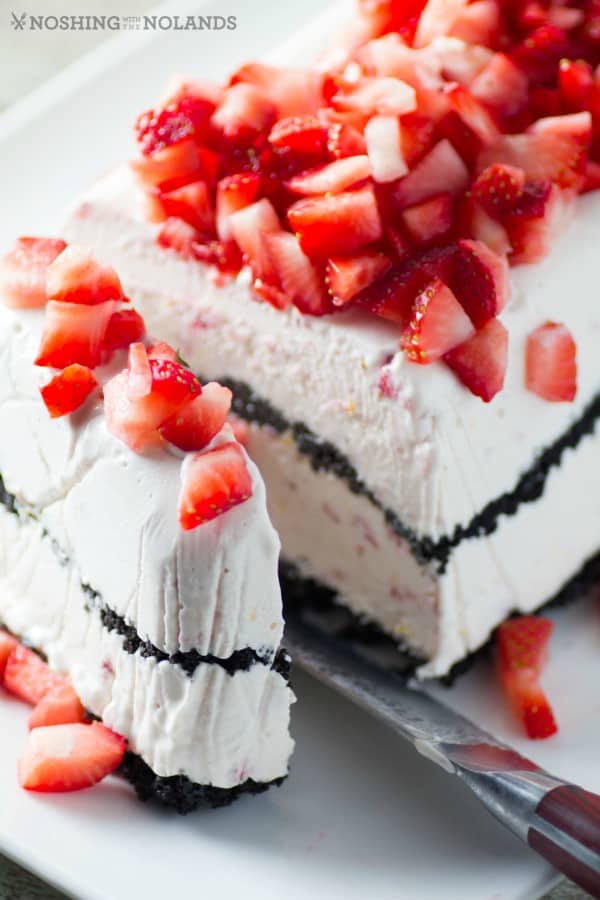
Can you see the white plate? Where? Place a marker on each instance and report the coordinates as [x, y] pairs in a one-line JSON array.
[[362, 814]]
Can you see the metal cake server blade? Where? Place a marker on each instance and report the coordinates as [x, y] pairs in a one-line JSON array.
[[558, 820]]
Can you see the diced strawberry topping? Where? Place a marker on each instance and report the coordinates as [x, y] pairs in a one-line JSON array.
[[197, 422], [234, 193], [23, 271], [298, 278], [344, 140], [384, 148], [192, 203], [125, 327], [248, 227], [534, 221], [294, 92], [576, 84], [348, 275], [60, 706], [430, 220], [74, 333], [7, 644], [480, 280], [551, 363], [438, 323], [499, 188], [480, 363], [440, 171], [436, 19], [502, 87], [304, 135], [522, 645], [177, 235], [388, 96], [331, 178], [338, 224], [244, 112], [171, 167], [213, 482], [28, 677], [184, 117], [68, 390], [69, 757], [76, 276]]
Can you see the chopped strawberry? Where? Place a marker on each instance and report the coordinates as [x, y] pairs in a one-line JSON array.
[[418, 136], [499, 188], [161, 350], [436, 19], [60, 706], [299, 279], [480, 280], [522, 650], [293, 91], [480, 363], [346, 276], [388, 96], [331, 178], [478, 23], [124, 328], [533, 223], [76, 276], [576, 84], [171, 167], [384, 148], [472, 113], [184, 117], [305, 135], [213, 482], [440, 171], [339, 224], [244, 112], [248, 227], [192, 203], [140, 372], [23, 270], [28, 677], [69, 757], [480, 226], [539, 54], [502, 87], [197, 422], [344, 140], [459, 61], [225, 255], [7, 644], [177, 235], [551, 363], [74, 333], [234, 193], [68, 390], [592, 177], [240, 428], [438, 323], [429, 220]]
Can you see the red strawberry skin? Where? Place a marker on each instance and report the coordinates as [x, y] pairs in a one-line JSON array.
[[60, 706], [68, 390], [551, 363], [74, 333], [23, 271], [522, 645], [198, 421], [125, 327], [480, 363], [69, 757], [28, 677], [214, 482], [7, 644]]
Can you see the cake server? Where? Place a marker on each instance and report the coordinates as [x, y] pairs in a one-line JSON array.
[[558, 820]]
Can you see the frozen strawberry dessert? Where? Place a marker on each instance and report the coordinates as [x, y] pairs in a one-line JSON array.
[[137, 556], [387, 256]]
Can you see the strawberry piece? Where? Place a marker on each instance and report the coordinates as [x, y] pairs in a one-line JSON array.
[[576, 84], [172, 382], [197, 422], [171, 167], [225, 255], [140, 372], [344, 140], [436, 19], [480, 363], [240, 428], [184, 117], [535, 221], [69, 757], [551, 363], [331, 178], [213, 482], [388, 96], [440, 171], [347, 276], [438, 323], [23, 271], [479, 225], [74, 333], [234, 193], [177, 235], [522, 645], [294, 92], [459, 61], [418, 134], [338, 224], [161, 350], [472, 113], [540, 53], [592, 177], [499, 188], [478, 23], [384, 148], [7, 644], [392, 296], [192, 203], [68, 390], [248, 227], [480, 280], [76, 276], [125, 327], [28, 677], [304, 135], [300, 280], [243, 113], [502, 87], [60, 706], [430, 220]]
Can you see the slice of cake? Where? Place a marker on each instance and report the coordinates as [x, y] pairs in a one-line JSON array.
[[136, 550], [334, 244]]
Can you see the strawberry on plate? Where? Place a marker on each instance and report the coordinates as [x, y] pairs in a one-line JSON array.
[[68, 390], [60, 706], [522, 645], [23, 271], [7, 644], [74, 333], [551, 363], [337, 224], [213, 482], [28, 677], [480, 363], [438, 323], [197, 422], [76, 276], [69, 757]]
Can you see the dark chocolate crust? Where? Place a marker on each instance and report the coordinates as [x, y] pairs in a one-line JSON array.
[[325, 457]]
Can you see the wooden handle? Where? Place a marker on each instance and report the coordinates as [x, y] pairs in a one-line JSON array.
[[575, 814]]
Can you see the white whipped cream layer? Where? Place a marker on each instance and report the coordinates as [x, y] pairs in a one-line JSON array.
[[215, 728]]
